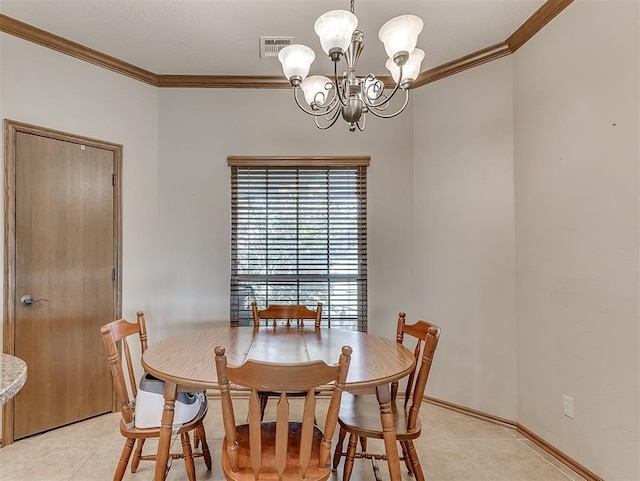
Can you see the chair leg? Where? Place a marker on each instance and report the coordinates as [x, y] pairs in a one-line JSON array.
[[363, 444], [196, 439], [124, 459], [415, 462], [136, 455], [337, 454], [351, 456], [187, 455], [205, 447], [407, 459]]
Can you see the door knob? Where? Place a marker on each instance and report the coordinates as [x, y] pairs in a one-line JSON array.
[[27, 300]]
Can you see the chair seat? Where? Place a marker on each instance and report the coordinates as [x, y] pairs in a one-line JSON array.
[[360, 414], [268, 441]]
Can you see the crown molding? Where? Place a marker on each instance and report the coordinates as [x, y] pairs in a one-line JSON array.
[[46, 39], [547, 12], [234, 81], [463, 63], [223, 81], [541, 17]]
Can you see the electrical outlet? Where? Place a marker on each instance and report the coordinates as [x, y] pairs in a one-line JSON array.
[[567, 406]]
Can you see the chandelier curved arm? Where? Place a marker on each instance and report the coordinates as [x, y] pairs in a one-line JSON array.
[[376, 87], [383, 105], [321, 110], [364, 123], [383, 116], [332, 117], [341, 93]]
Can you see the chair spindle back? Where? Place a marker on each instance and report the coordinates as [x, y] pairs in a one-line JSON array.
[[426, 336], [259, 376], [288, 312], [113, 333]]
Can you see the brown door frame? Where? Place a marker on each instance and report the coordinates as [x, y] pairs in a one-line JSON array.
[[11, 129]]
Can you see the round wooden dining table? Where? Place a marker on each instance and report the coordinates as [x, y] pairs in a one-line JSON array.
[[187, 363]]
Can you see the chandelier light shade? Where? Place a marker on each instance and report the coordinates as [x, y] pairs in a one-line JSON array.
[[410, 69], [350, 96], [335, 29], [316, 90], [400, 35], [296, 61]]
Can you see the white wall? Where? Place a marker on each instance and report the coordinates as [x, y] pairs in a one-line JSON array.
[[575, 204], [443, 242], [42, 87], [576, 184], [199, 128], [176, 196], [464, 235]]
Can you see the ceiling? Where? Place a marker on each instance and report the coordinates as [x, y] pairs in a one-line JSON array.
[[221, 37]]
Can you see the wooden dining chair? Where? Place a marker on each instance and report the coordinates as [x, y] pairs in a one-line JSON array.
[[360, 414], [283, 312], [286, 450], [286, 312], [120, 330]]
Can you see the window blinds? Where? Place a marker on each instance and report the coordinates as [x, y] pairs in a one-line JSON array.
[[299, 236]]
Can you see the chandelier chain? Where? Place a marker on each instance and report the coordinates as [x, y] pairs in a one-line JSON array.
[[352, 8]]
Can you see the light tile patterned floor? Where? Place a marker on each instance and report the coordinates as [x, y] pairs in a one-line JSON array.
[[453, 447]]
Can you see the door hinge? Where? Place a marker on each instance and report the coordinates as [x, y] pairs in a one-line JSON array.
[[113, 180], [113, 274]]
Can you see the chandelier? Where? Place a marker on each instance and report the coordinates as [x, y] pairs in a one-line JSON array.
[[350, 96]]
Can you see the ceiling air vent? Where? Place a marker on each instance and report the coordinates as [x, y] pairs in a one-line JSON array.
[[270, 46]]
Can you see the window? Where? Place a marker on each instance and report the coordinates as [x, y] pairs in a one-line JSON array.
[[299, 236]]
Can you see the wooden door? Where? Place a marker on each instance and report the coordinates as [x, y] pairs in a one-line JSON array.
[[66, 260]]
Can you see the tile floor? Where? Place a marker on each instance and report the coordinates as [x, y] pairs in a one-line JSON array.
[[453, 447]]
